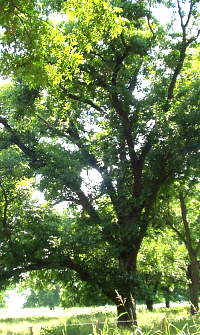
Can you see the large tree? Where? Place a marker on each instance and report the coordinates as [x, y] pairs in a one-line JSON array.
[[100, 86]]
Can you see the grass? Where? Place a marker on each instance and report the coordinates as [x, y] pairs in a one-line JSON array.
[[19, 321], [98, 321], [171, 321]]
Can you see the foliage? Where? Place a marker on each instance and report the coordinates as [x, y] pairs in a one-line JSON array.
[[162, 262], [79, 293], [49, 298], [2, 300], [27, 228], [173, 215], [181, 214]]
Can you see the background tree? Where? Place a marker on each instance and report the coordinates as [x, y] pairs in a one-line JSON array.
[[72, 291], [3, 300], [182, 216], [99, 91], [43, 298], [162, 262]]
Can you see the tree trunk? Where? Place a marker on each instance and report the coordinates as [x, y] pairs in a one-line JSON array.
[[125, 297], [193, 268], [194, 277], [149, 303], [126, 312], [151, 294], [166, 293], [167, 301]]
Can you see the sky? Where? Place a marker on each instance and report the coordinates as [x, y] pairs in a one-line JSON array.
[[4, 81], [15, 301]]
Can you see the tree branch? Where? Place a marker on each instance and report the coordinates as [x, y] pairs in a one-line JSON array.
[[197, 249], [72, 133], [170, 224], [148, 19], [133, 80], [184, 25], [98, 80], [189, 14], [93, 162], [182, 53], [83, 100], [17, 140], [58, 264], [5, 213], [188, 241], [126, 127], [156, 185], [87, 206], [118, 64], [180, 14], [45, 264], [176, 73]]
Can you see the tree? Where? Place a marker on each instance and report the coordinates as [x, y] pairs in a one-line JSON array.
[[182, 215], [162, 264], [43, 298], [2, 300], [98, 90], [72, 291]]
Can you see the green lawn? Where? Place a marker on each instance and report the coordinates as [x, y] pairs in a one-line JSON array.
[[175, 320]]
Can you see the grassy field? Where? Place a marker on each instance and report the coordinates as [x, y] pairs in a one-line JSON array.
[[175, 320], [13, 321]]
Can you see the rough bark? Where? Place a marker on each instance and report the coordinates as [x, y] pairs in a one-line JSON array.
[[193, 268], [194, 284]]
